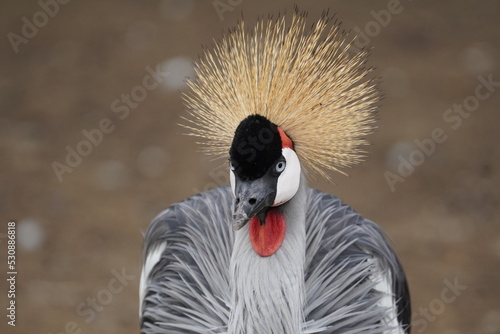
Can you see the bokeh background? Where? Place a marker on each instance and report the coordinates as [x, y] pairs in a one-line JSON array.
[[75, 233]]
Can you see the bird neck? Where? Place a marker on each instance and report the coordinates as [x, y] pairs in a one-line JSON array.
[[268, 292]]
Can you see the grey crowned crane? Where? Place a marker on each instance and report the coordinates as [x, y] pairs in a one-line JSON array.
[[267, 254]]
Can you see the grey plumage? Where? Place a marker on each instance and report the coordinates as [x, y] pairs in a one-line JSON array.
[[188, 288]]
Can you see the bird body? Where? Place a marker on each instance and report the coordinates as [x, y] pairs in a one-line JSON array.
[[196, 284], [267, 254]]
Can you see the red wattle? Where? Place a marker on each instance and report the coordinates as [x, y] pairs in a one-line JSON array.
[[266, 239]]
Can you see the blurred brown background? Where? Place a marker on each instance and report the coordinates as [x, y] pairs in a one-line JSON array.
[[78, 231]]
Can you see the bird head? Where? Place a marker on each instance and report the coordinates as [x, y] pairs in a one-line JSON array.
[[284, 98], [264, 168]]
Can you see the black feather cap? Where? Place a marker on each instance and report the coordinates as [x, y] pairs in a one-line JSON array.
[[255, 148]]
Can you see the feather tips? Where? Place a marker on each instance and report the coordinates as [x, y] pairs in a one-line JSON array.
[[307, 81]]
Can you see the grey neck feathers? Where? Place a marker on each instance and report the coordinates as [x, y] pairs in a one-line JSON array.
[[268, 292]]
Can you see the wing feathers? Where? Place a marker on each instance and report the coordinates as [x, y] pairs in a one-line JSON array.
[[354, 282]]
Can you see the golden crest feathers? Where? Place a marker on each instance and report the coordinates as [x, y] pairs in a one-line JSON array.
[[308, 81]]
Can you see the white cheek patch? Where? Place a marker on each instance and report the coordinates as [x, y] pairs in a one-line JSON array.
[[289, 180], [232, 181]]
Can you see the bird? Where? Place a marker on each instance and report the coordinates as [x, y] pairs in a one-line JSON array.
[[282, 101]]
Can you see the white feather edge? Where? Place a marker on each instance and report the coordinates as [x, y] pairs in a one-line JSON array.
[[152, 259], [383, 284]]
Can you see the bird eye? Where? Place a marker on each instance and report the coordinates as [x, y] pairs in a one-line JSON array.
[[231, 166], [280, 166]]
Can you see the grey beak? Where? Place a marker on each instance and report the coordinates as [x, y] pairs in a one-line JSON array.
[[251, 198]]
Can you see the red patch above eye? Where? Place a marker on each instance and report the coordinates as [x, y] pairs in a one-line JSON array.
[[285, 140], [267, 238]]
